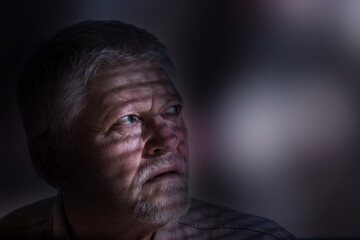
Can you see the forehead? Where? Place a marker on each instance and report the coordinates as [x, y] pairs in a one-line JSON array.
[[133, 80], [136, 72]]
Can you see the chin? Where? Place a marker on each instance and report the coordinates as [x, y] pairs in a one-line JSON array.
[[172, 203]]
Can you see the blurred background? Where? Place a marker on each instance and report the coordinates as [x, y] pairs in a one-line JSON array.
[[271, 91]]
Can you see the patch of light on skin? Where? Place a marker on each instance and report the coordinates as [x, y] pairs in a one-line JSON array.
[[115, 156]]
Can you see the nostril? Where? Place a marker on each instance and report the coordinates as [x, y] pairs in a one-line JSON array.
[[162, 140]]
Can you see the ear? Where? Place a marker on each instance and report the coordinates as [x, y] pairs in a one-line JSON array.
[[47, 160]]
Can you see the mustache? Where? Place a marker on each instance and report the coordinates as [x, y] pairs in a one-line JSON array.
[[160, 162]]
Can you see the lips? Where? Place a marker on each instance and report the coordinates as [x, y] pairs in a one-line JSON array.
[[164, 173]]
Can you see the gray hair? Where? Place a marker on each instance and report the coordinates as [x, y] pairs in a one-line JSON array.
[[52, 87]]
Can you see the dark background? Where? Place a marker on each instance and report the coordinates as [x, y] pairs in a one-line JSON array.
[[207, 40]]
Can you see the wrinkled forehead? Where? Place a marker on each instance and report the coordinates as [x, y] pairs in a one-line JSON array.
[[134, 79]]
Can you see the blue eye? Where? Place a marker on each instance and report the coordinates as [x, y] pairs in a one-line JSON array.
[[174, 109], [124, 123], [127, 120], [173, 112]]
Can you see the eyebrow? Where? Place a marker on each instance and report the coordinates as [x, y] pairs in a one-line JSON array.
[[170, 95]]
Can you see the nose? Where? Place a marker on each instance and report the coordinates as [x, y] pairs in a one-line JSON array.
[[162, 138]]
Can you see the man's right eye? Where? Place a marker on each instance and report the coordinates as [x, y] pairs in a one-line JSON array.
[[127, 120], [124, 124]]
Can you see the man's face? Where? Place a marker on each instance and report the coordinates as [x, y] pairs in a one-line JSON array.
[[130, 146]]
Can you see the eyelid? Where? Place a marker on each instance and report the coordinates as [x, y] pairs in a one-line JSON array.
[[172, 114], [126, 116], [119, 124], [179, 106]]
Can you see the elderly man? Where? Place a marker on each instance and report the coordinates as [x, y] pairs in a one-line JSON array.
[[104, 126]]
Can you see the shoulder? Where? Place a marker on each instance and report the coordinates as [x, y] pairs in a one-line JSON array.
[[31, 218], [204, 216]]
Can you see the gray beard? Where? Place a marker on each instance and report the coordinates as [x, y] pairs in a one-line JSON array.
[[172, 200], [160, 212]]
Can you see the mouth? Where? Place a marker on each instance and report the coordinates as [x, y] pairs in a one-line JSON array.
[[164, 174]]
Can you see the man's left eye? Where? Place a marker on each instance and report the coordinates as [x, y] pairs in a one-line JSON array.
[[176, 109], [173, 112]]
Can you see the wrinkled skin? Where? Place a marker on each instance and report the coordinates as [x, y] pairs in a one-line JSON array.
[[130, 130]]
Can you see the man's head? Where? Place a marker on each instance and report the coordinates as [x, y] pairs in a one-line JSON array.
[[103, 121]]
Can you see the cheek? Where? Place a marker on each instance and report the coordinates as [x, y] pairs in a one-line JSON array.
[[113, 163], [181, 132]]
